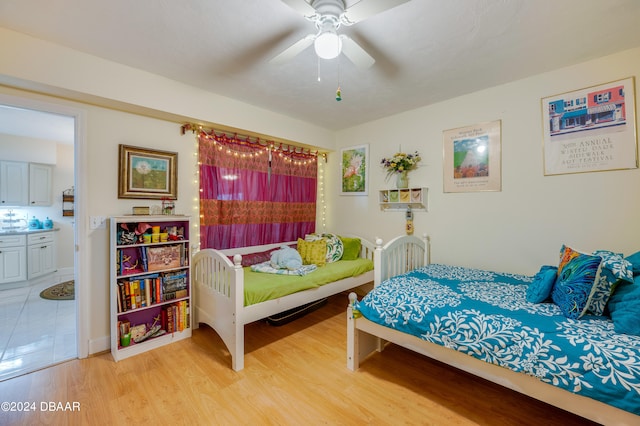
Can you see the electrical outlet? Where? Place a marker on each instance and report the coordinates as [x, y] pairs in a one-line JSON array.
[[98, 222]]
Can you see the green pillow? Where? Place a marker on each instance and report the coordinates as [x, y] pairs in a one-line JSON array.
[[352, 248]]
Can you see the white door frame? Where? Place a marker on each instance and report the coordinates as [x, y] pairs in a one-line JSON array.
[[82, 299]]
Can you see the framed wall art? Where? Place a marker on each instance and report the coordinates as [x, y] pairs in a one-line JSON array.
[[147, 173], [354, 170], [591, 129], [472, 158]]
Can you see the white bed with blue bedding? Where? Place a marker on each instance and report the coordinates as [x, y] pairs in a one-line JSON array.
[[482, 322]]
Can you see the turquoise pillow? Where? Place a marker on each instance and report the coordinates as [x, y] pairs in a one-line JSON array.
[[540, 288], [577, 274], [634, 259], [624, 307]]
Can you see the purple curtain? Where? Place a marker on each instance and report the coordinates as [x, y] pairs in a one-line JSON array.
[[250, 195]]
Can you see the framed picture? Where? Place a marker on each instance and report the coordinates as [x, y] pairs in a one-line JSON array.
[[147, 173], [354, 170], [472, 158], [591, 129]]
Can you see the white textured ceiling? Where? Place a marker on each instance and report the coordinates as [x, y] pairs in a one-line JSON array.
[[426, 50]]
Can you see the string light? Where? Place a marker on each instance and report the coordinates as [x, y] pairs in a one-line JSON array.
[[196, 201], [323, 205]]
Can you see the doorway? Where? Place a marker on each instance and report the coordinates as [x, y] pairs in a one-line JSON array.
[[37, 332]]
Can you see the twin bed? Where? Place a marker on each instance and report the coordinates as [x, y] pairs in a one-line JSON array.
[[478, 321], [229, 295]]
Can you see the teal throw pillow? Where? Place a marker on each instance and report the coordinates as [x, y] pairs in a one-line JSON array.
[[634, 259], [540, 288], [624, 307]]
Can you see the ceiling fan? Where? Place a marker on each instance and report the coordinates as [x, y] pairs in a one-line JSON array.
[[328, 15]]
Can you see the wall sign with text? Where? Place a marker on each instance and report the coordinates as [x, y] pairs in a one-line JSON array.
[[590, 130]]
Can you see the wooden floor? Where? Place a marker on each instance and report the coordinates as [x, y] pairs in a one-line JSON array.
[[294, 374]]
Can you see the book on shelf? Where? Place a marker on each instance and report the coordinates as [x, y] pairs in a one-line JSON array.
[[138, 292], [143, 259], [148, 290], [176, 317]]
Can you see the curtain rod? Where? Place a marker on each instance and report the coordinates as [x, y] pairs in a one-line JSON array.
[[195, 128]]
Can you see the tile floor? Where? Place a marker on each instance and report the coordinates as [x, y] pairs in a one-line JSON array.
[[34, 332]]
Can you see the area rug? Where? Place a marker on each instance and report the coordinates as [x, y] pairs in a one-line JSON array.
[[62, 291]]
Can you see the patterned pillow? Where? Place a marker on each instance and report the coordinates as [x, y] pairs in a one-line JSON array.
[[312, 252], [334, 245], [335, 249], [577, 274], [614, 268]]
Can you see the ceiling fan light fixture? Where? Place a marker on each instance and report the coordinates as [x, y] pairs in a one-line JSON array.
[[327, 45]]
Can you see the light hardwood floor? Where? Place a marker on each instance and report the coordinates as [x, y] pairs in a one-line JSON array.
[[294, 375]]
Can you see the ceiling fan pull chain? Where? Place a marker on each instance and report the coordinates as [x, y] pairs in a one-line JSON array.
[[339, 91]]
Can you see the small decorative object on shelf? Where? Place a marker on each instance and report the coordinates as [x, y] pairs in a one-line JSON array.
[[140, 210], [67, 202], [150, 285], [402, 180], [167, 206], [403, 199], [400, 165]]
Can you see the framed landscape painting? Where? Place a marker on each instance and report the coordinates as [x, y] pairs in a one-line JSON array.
[[147, 173], [354, 170], [591, 129]]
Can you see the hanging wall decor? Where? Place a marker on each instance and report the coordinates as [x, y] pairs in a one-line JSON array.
[[354, 170], [472, 158], [591, 129], [147, 173]]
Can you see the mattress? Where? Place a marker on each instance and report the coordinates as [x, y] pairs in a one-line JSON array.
[[260, 286], [485, 314]]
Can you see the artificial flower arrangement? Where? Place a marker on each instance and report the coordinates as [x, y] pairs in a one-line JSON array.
[[400, 162]]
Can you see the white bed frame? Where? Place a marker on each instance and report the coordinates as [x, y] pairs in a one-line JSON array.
[[219, 293], [365, 337]]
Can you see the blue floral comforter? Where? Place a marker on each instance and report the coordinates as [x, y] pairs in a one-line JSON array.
[[484, 314]]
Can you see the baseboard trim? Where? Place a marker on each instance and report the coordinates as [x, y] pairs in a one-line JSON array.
[[99, 345]]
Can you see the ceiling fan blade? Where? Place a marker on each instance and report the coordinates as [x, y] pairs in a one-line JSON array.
[[300, 6], [364, 9], [355, 53], [293, 50]]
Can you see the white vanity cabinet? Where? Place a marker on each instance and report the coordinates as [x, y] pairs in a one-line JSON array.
[[13, 258], [41, 254]]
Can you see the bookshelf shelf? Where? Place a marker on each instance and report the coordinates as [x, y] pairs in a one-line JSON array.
[[150, 283]]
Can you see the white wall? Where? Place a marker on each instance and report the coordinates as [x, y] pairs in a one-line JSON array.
[[521, 227]]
